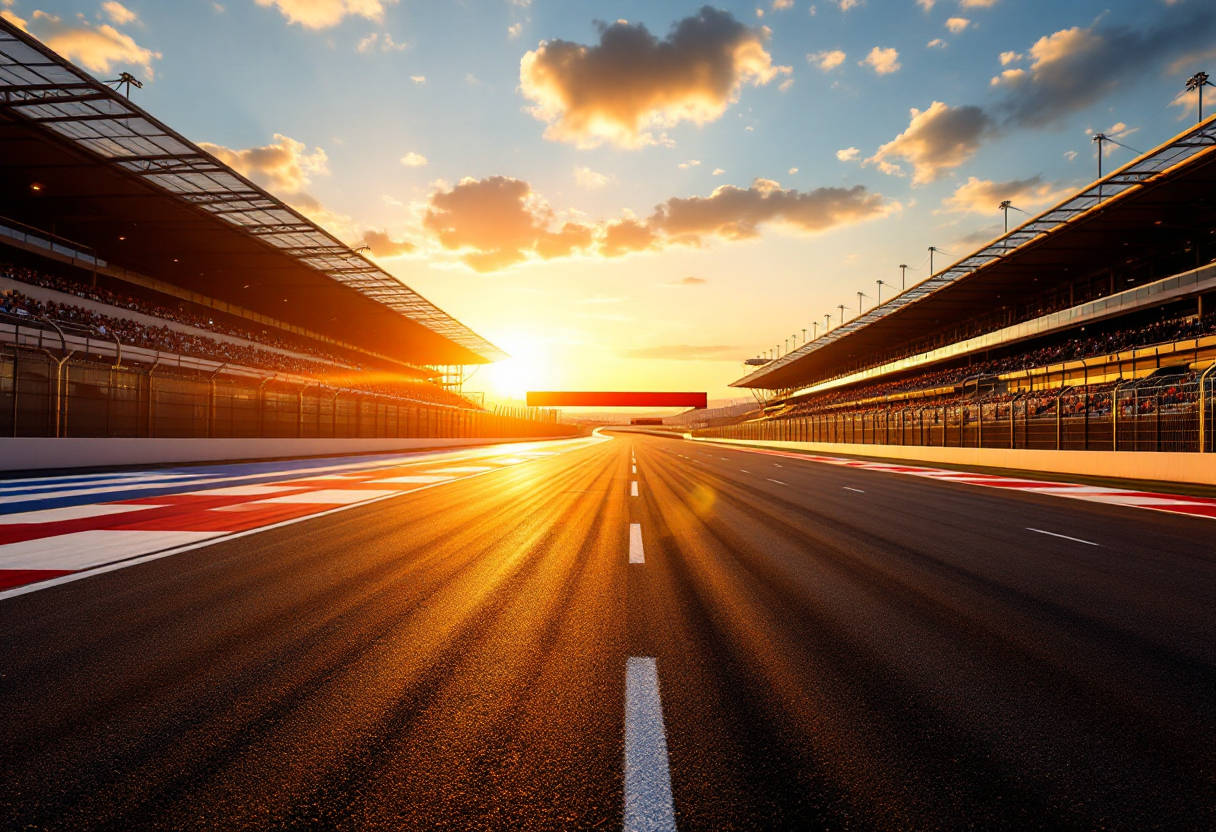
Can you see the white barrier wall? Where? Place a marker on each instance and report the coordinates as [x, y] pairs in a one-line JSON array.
[[39, 453], [1198, 469]]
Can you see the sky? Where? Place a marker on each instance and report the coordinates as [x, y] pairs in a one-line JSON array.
[[641, 195]]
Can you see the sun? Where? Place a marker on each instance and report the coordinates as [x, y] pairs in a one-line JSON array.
[[528, 368]]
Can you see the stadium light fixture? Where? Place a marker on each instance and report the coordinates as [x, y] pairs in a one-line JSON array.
[[1005, 206], [931, 250], [903, 276], [804, 336], [1197, 82], [860, 295], [827, 322], [815, 329], [127, 80], [880, 285], [841, 307]]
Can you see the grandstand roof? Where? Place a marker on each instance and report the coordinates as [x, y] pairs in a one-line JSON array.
[[115, 179], [1160, 193]]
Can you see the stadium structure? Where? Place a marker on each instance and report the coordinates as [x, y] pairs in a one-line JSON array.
[[148, 289], [1091, 326]]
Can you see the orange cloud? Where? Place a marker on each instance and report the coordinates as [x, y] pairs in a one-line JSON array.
[[321, 14], [283, 167], [983, 196], [97, 49], [937, 139], [631, 82]]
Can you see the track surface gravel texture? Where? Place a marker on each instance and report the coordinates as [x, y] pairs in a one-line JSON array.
[[832, 648]]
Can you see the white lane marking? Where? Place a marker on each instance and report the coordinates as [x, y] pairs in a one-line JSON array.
[[635, 469], [329, 496], [724, 459], [636, 553], [648, 802], [775, 465], [1064, 536], [80, 550], [56, 515], [633, 489], [858, 490], [779, 482]]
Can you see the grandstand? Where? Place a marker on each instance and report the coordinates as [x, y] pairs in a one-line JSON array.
[[148, 289], [1090, 326]]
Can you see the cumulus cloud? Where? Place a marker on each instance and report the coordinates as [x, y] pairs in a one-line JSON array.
[[718, 172], [936, 43], [983, 196], [497, 222], [1011, 57], [383, 246], [957, 25], [782, 5], [845, 5], [96, 48], [418, 79], [737, 213], [882, 61], [687, 281], [1074, 68], [322, 14], [828, 59], [927, 5], [589, 179], [118, 13], [848, 154], [684, 352], [977, 4], [285, 167], [414, 160], [937, 139], [492, 224], [382, 42], [691, 163], [631, 82]]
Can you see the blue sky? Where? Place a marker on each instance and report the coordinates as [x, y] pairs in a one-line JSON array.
[[531, 168]]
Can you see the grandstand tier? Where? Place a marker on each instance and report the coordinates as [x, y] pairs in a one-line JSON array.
[[89, 179], [1138, 245]]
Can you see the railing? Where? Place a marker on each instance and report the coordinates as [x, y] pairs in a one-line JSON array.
[[42, 394], [1152, 414]]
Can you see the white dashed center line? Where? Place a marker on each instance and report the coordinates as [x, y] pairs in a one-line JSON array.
[[744, 471], [633, 489], [648, 802], [1064, 536], [635, 469], [636, 553], [858, 490], [779, 482]]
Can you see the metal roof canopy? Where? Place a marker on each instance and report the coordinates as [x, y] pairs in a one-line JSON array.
[[110, 170], [1087, 230]]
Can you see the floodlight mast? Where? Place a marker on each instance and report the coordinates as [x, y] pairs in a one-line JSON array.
[[126, 79], [880, 285], [1005, 206], [903, 277], [1196, 83], [931, 250]]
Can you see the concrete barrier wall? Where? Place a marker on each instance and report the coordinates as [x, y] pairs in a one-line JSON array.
[[38, 453], [1197, 469]]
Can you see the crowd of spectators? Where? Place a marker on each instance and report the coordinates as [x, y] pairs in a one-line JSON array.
[[156, 310], [168, 340], [1132, 337]]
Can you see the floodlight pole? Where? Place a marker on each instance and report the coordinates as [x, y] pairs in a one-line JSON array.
[[931, 250], [815, 329], [841, 308], [827, 323], [860, 295], [1004, 206], [1099, 138], [903, 277], [1197, 82], [880, 285], [804, 336]]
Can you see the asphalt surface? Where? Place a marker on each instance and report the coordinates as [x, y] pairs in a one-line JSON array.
[[835, 649]]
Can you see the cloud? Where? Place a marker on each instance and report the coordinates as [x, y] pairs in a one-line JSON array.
[[827, 60], [927, 5], [97, 49], [589, 179], [792, 171], [383, 246], [11, 16], [384, 43], [322, 14], [414, 160], [983, 196], [684, 352], [937, 139], [718, 172], [1074, 68], [1011, 57], [687, 281], [631, 82], [284, 167], [977, 4], [498, 222], [848, 154], [936, 43], [691, 163], [418, 79], [627, 236], [782, 5], [736, 214], [957, 25], [118, 13], [515, 30], [883, 61], [845, 5]]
